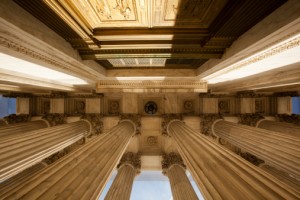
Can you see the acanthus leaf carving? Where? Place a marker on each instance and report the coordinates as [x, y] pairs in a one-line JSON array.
[[133, 159], [171, 159], [13, 118], [166, 119], [249, 119], [96, 122], [207, 121], [55, 119], [135, 118]]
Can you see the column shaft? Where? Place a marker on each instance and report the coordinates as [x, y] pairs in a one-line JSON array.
[[122, 185], [21, 151], [276, 149], [11, 129], [283, 127], [219, 173], [181, 187], [81, 174]]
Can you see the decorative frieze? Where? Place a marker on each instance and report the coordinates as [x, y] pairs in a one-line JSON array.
[[249, 119], [135, 118], [207, 121], [55, 119], [248, 94], [95, 121], [139, 86], [13, 118], [166, 118], [287, 94]]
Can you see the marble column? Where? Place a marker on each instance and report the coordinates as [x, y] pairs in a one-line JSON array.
[[174, 168], [10, 129], [219, 173], [276, 149], [83, 173], [121, 187], [283, 127], [21, 151]]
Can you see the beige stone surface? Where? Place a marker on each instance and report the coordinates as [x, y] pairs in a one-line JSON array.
[[93, 105], [57, 105], [247, 105], [284, 105], [22, 106], [209, 105], [130, 103]]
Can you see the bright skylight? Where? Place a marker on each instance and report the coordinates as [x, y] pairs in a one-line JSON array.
[[150, 185], [21, 66], [279, 55]]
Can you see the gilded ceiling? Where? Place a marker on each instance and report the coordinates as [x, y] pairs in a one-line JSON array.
[[138, 33]]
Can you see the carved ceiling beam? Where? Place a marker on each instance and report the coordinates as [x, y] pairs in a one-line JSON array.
[[140, 86], [261, 81]]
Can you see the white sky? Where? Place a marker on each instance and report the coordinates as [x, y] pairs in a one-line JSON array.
[[150, 185]]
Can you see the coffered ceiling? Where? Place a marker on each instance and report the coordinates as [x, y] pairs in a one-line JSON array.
[[125, 34]]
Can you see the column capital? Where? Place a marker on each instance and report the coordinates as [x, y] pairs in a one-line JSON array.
[[250, 119], [54, 157], [248, 94], [166, 119], [132, 159], [295, 119], [251, 158], [135, 118], [13, 118], [171, 159], [95, 121], [207, 121], [55, 119]]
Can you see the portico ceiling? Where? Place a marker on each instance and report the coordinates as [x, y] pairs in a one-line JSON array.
[[126, 34]]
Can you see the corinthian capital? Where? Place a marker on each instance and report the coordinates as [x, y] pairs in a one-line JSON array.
[[166, 119], [96, 122], [135, 118], [132, 159], [171, 159]]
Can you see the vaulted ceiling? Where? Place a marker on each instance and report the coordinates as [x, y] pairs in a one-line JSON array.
[[172, 34]]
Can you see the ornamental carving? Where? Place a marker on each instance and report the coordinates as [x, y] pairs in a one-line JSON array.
[[210, 95], [96, 122], [152, 140], [79, 106], [295, 119], [251, 158], [166, 118], [13, 118], [188, 107], [248, 94], [56, 94], [207, 121], [171, 159], [249, 119], [135, 118], [55, 119], [54, 157], [17, 94], [150, 107], [287, 94], [113, 107], [224, 106], [132, 159]]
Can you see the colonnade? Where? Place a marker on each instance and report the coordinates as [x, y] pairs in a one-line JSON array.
[[83, 174]]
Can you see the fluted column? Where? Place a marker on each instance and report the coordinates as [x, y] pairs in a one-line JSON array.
[[219, 173], [283, 127], [8, 130], [24, 150], [81, 174], [276, 149], [121, 187], [174, 168]]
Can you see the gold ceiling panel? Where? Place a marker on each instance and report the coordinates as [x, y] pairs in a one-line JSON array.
[[185, 13], [112, 13]]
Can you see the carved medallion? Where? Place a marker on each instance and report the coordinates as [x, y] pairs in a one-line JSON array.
[[113, 107], [150, 107]]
